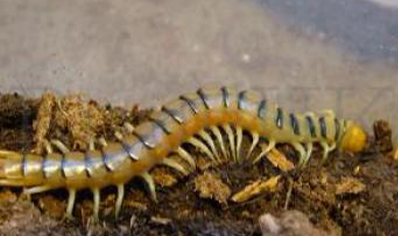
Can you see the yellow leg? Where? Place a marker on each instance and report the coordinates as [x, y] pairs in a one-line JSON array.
[[216, 131], [256, 138], [239, 137], [265, 150], [199, 144], [175, 165], [97, 198], [209, 142], [71, 203], [119, 200], [186, 156], [231, 139], [151, 185]]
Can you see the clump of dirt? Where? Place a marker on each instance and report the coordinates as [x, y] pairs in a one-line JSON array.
[[349, 195], [209, 185]]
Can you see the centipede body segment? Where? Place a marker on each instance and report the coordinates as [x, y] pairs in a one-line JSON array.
[[199, 119]]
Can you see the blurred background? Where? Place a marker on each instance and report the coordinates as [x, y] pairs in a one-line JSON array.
[[305, 54]]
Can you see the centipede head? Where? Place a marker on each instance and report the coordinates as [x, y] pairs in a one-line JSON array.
[[354, 138]]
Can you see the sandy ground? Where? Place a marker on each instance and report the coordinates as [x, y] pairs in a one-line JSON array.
[[307, 55]]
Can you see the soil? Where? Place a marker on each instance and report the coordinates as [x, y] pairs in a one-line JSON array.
[[348, 195]]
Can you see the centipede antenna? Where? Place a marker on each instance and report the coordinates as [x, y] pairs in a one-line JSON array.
[[266, 149], [175, 165], [203, 134], [256, 138], [199, 144], [119, 200], [186, 156], [239, 137], [216, 131], [151, 185], [60, 146], [71, 203], [97, 197], [231, 139], [300, 149]]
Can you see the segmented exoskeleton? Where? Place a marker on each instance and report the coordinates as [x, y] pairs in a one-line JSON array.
[[199, 119]]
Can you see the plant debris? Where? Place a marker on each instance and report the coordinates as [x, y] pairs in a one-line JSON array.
[[209, 185], [350, 185], [279, 160], [260, 186]]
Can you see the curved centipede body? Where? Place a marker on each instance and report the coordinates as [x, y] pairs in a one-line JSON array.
[[199, 119]]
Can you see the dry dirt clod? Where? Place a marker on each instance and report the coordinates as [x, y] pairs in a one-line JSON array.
[[257, 188], [382, 131], [81, 118], [43, 119], [163, 177], [350, 185], [210, 185]]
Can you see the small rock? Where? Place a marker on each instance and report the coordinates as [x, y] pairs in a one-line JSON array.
[[290, 223]]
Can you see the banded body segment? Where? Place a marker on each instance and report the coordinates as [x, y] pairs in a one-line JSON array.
[[178, 110], [74, 169], [211, 98], [51, 166]]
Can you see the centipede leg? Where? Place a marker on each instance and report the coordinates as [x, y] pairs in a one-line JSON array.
[[97, 197], [266, 149], [128, 127], [71, 203], [60, 146], [231, 139], [151, 185], [199, 144], [119, 200], [118, 135], [309, 148], [300, 149], [47, 146], [175, 165], [186, 156], [219, 137], [38, 189], [326, 150], [239, 137], [210, 142], [102, 142], [256, 138]]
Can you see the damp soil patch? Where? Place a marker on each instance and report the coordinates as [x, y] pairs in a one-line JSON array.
[[348, 195]]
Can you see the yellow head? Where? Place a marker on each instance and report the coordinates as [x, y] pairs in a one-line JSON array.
[[354, 138]]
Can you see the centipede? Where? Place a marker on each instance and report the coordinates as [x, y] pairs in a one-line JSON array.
[[212, 120]]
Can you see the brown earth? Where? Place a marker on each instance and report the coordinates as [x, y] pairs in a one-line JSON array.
[[349, 195]]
